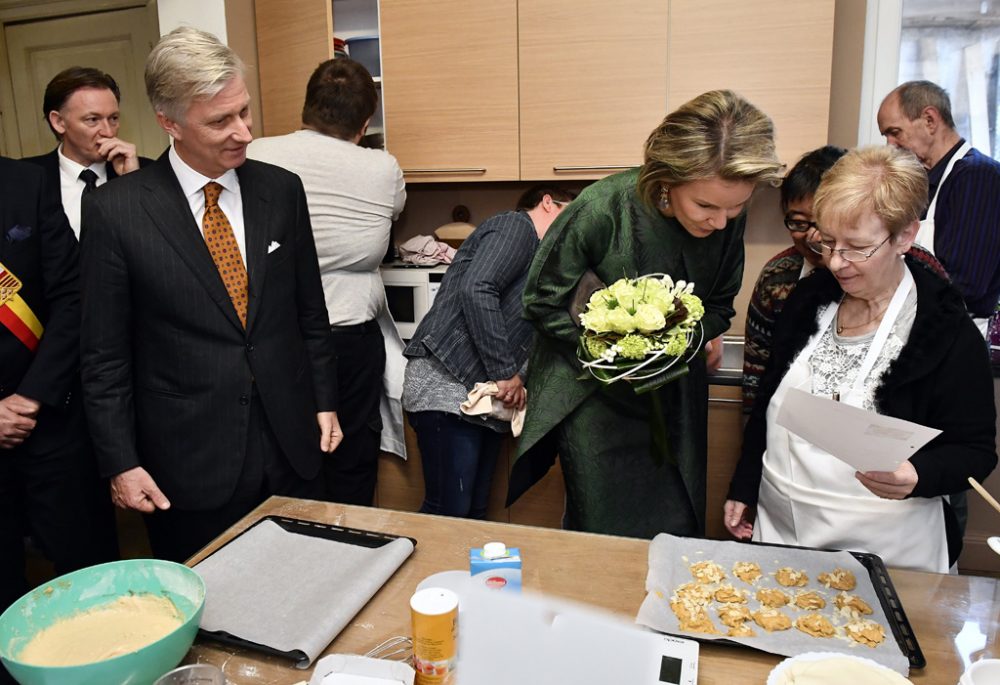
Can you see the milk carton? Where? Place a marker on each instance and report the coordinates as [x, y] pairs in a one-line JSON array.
[[496, 567]]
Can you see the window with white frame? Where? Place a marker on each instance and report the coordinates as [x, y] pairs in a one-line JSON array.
[[956, 44]]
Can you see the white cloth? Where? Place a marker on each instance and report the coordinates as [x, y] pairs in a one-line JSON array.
[[481, 402], [393, 438], [810, 498], [230, 201], [354, 194], [426, 251], [71, 187]]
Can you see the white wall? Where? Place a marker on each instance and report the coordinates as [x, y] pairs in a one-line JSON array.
[[207, 15]]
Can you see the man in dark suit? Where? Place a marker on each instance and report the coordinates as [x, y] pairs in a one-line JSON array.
[[42, 467], [208, 368], [81, 107]]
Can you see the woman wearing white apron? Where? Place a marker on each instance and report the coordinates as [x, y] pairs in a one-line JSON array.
[[884, 336]]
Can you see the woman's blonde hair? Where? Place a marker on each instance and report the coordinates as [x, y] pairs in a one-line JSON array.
[[188, 64], [887, 181], [718, 133]]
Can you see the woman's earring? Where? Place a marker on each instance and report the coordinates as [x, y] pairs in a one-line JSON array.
[[664, 197]]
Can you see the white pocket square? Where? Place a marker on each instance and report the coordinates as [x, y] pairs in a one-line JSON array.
[[273, 246]]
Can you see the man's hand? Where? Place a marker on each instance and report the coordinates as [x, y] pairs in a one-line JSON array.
[[330, 434], [122, 155], [136, 489], [735, 518], [511, 392], [17, 419], [713, 354], [890, 485]]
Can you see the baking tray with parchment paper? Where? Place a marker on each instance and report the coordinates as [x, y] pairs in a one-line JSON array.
[[250, 602], [670, 559]]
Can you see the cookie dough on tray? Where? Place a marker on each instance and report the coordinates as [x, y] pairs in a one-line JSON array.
[[865, 631], [816, 625], [772, 598], [839, 579], [789, 577], [772, 620], [809, 600], [747, 571]]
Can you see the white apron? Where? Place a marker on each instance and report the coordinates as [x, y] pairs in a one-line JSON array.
[[810, 498], [925, 235]]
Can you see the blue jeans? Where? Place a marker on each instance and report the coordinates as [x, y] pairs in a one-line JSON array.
[[458, 458]]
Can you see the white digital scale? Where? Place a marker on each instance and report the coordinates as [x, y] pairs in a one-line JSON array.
[[534, 640]]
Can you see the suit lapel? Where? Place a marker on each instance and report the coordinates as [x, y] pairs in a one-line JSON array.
[[256, 219], [169, 211]]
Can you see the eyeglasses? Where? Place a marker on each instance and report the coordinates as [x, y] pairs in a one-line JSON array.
[[845, 253], [798, 225], [559, 203]]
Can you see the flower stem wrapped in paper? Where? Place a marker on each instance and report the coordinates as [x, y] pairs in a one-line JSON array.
[[643, 330]]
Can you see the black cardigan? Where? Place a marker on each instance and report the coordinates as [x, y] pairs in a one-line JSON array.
[[940, 379]]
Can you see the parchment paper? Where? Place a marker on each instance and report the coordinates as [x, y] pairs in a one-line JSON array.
[[669, 561], [292, 592]]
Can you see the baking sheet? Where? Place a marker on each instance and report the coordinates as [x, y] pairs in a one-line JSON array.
[[290, 587], [671, 556]]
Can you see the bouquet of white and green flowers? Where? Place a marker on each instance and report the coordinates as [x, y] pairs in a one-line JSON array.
[[638, 329]]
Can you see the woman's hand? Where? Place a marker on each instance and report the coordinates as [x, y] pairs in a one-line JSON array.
[[897, 484], [511, 392], [713, 354], [735, 517]]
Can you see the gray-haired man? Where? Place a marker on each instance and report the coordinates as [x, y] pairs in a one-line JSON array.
[[208, 369]]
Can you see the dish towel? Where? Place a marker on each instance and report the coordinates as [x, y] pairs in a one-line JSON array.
[[426, 251], [481, 402]]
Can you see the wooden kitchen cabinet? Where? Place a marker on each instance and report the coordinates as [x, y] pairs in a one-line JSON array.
[[292, 39], [449, 75], [593, 84], [777, 54], [557, 89]]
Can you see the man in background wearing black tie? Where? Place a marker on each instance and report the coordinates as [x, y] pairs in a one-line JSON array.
[[81, 108]]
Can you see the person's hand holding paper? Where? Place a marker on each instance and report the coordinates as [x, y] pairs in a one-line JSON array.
[[895, 485], [877, 446]]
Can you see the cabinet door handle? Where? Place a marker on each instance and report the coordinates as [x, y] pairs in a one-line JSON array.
[[724, 400], [469, 170], [598, 167]]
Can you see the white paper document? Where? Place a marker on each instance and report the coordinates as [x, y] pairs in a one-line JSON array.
[[863, 439]]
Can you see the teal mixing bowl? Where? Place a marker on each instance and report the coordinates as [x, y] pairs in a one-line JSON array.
[[95, 586]]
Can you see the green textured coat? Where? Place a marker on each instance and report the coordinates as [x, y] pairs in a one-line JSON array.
[[609, 231]]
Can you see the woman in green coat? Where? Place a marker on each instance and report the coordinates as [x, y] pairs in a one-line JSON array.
[[681, 213]]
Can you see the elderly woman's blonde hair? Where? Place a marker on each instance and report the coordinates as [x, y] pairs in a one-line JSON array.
[[884, 180], [718, 133], [188, 64]]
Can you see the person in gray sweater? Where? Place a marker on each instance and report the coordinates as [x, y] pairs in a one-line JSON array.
[[354, 194]]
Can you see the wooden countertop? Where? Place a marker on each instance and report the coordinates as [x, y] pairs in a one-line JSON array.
[[956, 618]]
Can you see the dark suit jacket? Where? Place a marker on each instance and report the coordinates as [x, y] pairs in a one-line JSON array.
[[37, 245], [476, 327], [168, 370], [50, 163]]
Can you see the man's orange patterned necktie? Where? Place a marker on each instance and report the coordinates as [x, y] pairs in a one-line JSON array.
[[225, 251]]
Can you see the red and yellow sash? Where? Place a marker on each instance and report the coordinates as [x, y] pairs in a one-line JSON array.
[[15, 313]]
